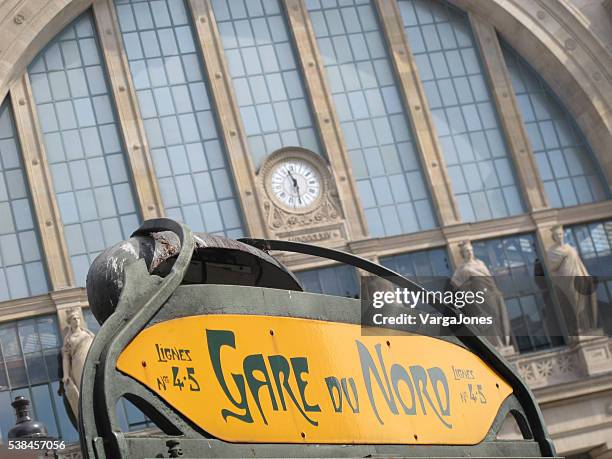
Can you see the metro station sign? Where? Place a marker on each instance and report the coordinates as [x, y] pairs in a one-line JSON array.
[[268, 379]]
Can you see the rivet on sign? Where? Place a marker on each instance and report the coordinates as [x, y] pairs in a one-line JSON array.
[[326, 120], [48, 223], [400, 52], [35, 162], [109, 32], [416, 437], [389, 343], [311, 64], [144, 364], [417, 107], [218, 75], [136, 147], [202, 19], [343, 178], [504, 94], [497, 385], [121, 88], [303, 435], [248, 192], [21, 102], [541, 14], [232, 133], [434, 164], [271, 332], [295, 8], [18, 19], [150, 207]]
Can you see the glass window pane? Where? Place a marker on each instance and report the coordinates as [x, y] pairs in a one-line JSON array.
[[335, 280], [177, 114], [88, 121], [430, 268], [593, 241], [266, 67], [41, 399], [554, 134], [454, 80], [19, 239], [513, 261], [374, 122], [30, 373]]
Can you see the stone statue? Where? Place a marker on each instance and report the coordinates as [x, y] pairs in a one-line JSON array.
[[77, 341], [473, 275], [574, 288]]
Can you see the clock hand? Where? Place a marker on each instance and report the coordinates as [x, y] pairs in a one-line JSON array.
[[295, 184]]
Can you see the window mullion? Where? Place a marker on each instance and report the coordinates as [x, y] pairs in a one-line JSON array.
[[327, 120], [415, 103], [228, 118], [509, 114], [59, 267], [128, 114]]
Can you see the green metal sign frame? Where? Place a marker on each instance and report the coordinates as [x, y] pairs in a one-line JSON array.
[[147, 300]]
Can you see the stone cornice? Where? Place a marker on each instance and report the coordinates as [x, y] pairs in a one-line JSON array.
[[26, 307]]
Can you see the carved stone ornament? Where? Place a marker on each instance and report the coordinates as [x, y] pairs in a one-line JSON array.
[[301, 201], [77, 341]]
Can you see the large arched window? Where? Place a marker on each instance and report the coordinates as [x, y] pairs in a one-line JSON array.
[[381, 147], [477, 160], [383, 88], [190, 163], [332, 280], [84, 149], [30, 362], [326, 75], [22, 271], [267, 82], [567, 168]]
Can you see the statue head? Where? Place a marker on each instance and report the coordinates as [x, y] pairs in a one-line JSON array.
[[466, 249], [557, 234], [74, 319]]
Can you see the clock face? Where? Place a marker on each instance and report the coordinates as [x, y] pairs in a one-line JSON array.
[[295, 183]]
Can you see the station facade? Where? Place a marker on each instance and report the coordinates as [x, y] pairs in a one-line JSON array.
[[418, 124]]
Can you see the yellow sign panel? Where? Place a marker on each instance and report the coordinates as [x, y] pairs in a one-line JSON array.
[[285, 380]]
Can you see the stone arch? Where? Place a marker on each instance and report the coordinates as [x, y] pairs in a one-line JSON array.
[[26, 26], [553, 37]]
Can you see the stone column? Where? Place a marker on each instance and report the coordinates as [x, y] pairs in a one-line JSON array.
[[59, 266], [603, 451], [415, 103], [128, 113]]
